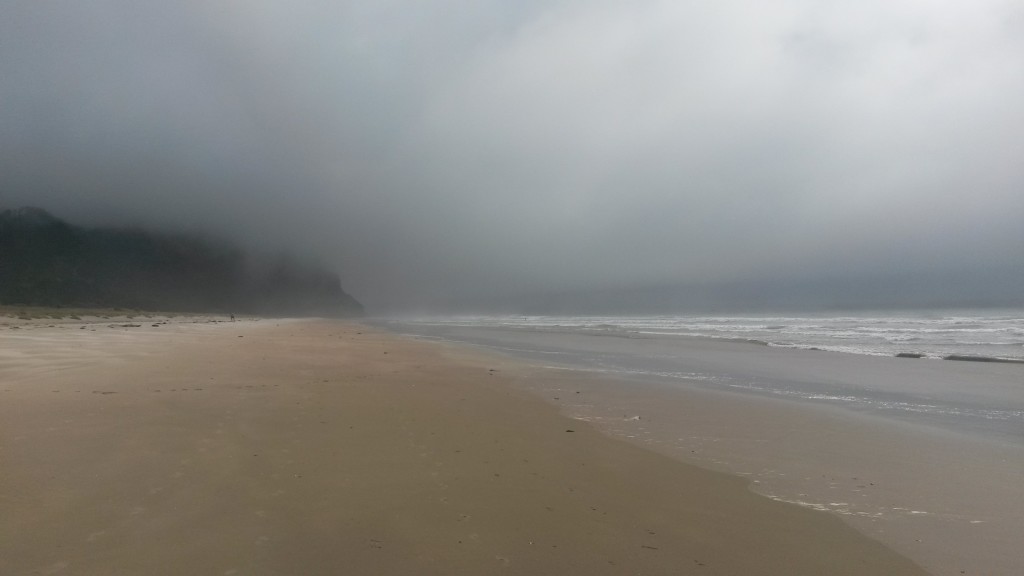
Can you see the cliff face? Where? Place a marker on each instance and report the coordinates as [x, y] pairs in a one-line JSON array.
[[45, 261]]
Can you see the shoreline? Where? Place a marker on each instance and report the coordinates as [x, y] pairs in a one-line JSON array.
[[932, 334], [947, 501], [312, 446], [946, 496]]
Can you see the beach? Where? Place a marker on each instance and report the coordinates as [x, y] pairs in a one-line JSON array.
[[323, 447], [924, 455]]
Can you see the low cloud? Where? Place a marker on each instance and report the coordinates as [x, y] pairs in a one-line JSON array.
[[490, 150]]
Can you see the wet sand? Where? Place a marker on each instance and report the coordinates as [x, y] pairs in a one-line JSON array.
[[949, 502], [328, 447], [911, 470]]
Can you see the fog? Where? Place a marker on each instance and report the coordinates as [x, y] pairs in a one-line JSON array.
[[502, 155]]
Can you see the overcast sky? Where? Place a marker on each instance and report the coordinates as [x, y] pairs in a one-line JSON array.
[[486, 149]]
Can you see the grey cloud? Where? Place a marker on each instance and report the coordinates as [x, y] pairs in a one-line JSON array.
[[487, 150]]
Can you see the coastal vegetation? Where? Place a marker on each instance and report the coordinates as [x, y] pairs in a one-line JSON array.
[[45, 261]]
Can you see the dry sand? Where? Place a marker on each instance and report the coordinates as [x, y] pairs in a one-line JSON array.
[[330, 448]]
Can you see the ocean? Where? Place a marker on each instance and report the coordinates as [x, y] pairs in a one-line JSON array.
[[935, 334], [827, 364]]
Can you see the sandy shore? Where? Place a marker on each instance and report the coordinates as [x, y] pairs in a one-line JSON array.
[[948, 502], [326, 448], [924, 457]]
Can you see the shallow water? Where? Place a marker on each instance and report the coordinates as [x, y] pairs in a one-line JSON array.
[[966, 397], [933, 334]]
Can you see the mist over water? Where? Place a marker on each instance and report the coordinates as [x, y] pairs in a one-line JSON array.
[[529, 156]]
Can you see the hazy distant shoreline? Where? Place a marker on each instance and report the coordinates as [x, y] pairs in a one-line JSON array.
[[48, 262]]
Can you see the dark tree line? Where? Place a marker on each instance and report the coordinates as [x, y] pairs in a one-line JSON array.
[[45, 261]]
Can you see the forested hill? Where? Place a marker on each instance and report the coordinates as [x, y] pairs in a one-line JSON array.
[[45, 261]]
